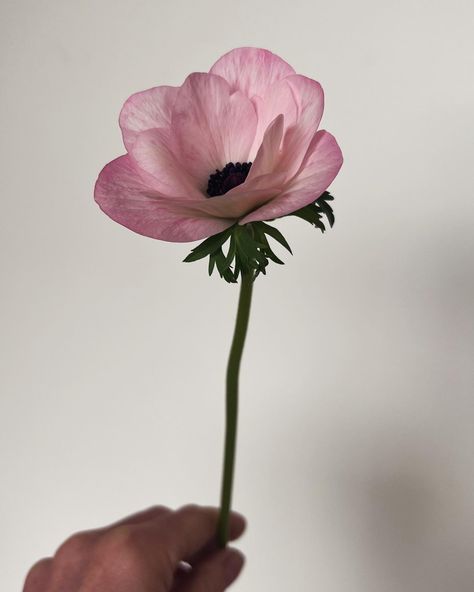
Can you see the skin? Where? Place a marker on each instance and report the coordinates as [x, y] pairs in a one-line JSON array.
[[156, 550]]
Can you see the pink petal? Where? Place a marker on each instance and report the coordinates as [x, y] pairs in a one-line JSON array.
[[152, 152], [235, 205], [309, 97], [319, 168], [279, 100], [268, 153], [251, 70], [124, 197], [146, 110], [211, 126], [301, 100], [261, 185]]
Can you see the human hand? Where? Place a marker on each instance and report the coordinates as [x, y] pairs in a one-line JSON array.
[[157, 550]]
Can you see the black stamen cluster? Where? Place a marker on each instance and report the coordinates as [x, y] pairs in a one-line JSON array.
[[229, 177]]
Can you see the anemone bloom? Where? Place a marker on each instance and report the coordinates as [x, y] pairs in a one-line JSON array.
[[237, 144]]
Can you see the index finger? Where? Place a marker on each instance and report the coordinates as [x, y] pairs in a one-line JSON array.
[[192, 529]]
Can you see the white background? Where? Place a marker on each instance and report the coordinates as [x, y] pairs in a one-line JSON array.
[[356, 442]]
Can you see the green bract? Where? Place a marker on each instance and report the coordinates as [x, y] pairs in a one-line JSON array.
[[249, 250]]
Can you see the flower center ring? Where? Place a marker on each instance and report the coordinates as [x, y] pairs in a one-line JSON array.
[[229, 177]]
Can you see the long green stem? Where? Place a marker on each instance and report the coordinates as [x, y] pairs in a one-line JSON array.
[[232, 390]]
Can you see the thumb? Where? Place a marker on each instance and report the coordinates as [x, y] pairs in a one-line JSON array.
[[215, 573]]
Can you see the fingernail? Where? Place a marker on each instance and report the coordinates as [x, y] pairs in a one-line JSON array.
[[233, 563]]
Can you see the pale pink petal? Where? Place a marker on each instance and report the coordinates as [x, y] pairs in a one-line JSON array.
[[309, 98], [211, 126], [269, 152], [262, 184], [235, 204], [319, 168], [251, 70], [152, 152], [146, 110], [279, 100], [301, 100], [123, 196]]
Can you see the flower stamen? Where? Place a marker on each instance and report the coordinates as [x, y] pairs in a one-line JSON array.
[[229, 177]]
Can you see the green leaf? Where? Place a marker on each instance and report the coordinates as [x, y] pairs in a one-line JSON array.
[[223, 267], [232, 250], [209, 245], [275, 234], [325, 207], [212, 263], [271, 255], [249, 249], [313, 213], [266, 246], [237, 269]]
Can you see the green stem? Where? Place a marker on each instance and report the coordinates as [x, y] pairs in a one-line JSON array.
[[232, 389]]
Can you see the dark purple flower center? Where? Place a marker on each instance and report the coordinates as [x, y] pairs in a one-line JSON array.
[[229, 177]]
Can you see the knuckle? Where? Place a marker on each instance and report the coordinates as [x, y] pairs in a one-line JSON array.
[[188, 509], [194, 512], [37, 574], [195, 517], [74, 547], [159, 508]]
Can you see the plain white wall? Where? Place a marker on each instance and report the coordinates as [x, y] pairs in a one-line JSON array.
[[356, 448]]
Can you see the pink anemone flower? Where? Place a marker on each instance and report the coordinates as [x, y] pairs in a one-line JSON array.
[[236, 145]]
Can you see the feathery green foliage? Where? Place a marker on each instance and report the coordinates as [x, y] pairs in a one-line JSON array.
[[249, 250]]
